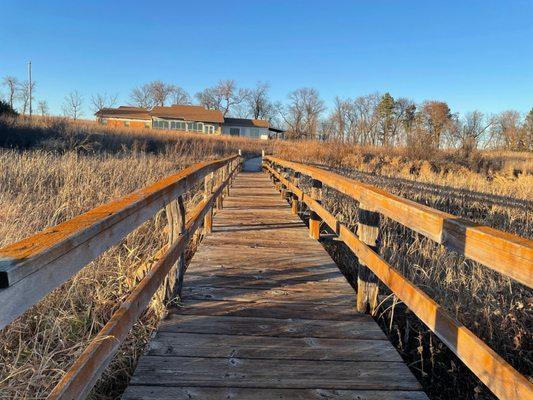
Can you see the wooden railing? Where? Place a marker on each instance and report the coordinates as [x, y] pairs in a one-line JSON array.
[[508, 254], [33, 267]]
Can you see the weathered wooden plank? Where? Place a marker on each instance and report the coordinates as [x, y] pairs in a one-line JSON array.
[[267, 310], [277, 348], [239, 372], [358, 327], [339, 297], [309, 282], [308, 263], [508, 254], [205, 393]]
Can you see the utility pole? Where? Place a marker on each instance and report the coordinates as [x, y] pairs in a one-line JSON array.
[[30, 89]]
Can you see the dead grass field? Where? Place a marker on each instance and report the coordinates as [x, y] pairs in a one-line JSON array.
[[52, 171]]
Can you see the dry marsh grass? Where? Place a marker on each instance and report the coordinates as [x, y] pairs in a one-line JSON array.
[[53, 170]]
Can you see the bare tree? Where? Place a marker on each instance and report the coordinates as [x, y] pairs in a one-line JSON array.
[[180, 95], [528, 127], [142, 96], [224, 97], [302, 114], [337, 124], [470, 130], [364, 119], [258, 103], [509, 131], [437, 118], [24, 93], [103, 100], [72, 105], [160, 92], [42, 108], [12, 85]]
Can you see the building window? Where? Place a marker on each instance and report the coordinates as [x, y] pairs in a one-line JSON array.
[[199, 127], [147, 124], [255, 133], [103, 121], [126, 123], [234, 131]]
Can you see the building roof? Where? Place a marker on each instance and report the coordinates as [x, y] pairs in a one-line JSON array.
[[257, 123], [188, 113], [124, 112]]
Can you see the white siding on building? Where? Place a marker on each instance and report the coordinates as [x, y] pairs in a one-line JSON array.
[[245, 131]]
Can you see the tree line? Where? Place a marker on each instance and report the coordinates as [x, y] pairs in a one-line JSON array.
[[374, 119]]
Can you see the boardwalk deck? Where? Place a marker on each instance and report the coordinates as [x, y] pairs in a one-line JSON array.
[[266, 314]]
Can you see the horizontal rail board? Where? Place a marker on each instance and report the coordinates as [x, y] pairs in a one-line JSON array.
[[81, 377], [508, 254], [38, 264], [498, 375]]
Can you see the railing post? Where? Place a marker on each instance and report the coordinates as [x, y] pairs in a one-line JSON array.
[[226, 174], [282, 188], [367, 282], [314, 219], [286, 194], [208, 219], [220, 178], [181, 261], [175, 212], [295, 206]]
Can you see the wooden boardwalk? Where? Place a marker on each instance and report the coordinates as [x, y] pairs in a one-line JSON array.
[[266, 314]]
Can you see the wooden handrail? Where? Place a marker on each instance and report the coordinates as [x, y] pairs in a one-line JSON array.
[[33, 267], [498, 375], [511, 255], [81, 377]]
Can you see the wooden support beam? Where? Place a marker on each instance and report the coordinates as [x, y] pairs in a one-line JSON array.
[[181, 261], [297, 206], [172, 214], [227, 170], [208, 219], [219, 179], [314, 219], [294, 204], [367, 282]]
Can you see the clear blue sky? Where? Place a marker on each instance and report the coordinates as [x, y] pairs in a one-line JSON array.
[[472, 54]]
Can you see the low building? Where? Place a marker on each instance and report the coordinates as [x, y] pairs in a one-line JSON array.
[[187, 118], [125, 116], [250, 128]]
